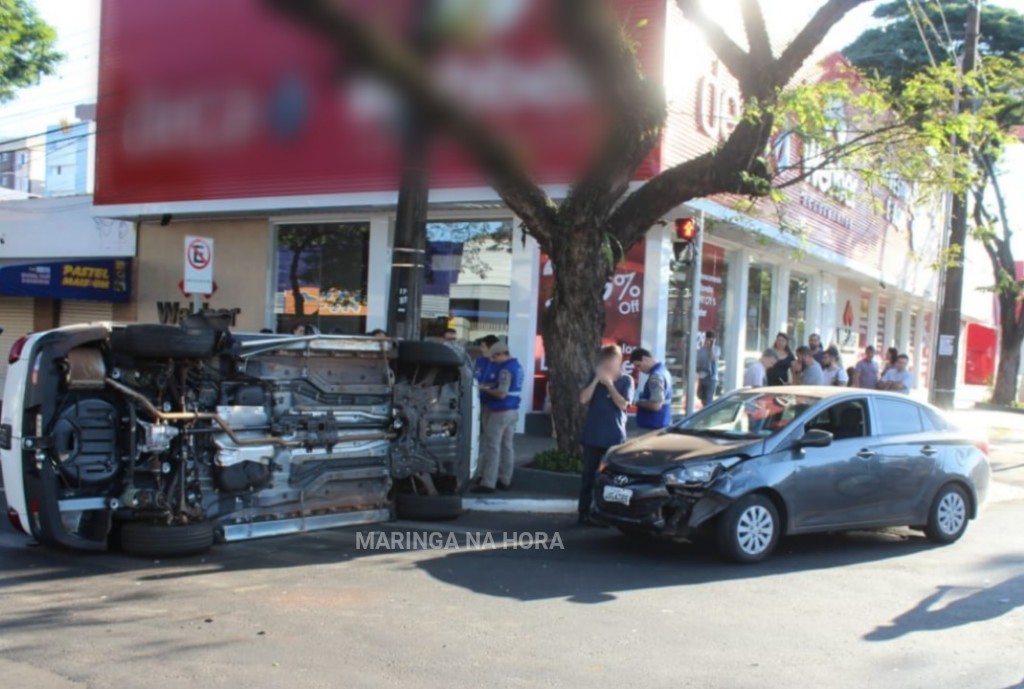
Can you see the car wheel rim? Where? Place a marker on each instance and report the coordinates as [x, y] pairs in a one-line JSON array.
[[952, 513], [754, 530]]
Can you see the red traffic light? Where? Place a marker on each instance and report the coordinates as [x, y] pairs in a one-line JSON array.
[[686, 229]]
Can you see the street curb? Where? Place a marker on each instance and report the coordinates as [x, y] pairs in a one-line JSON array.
[[986, 406], [528, 505], [1003, 492]]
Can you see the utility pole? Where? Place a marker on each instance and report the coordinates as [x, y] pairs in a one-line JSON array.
[[410, 241], [694, 325], [947, 351]]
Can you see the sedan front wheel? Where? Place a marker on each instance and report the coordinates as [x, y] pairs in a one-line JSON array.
[[749, 530]]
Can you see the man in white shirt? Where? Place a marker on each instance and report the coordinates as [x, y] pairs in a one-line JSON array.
[[832, 371], [898, 378], [756, 374]]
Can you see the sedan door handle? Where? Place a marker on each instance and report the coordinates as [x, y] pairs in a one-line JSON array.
[[929, 451], [866, 454]]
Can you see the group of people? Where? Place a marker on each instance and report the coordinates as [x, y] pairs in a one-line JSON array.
[[811, 364]]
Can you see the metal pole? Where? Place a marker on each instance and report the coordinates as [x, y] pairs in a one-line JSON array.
[[947, 352], [410, 241], [695, 275]]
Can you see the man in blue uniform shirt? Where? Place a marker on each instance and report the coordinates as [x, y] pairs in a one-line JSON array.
[[654, 408], [497, 460]]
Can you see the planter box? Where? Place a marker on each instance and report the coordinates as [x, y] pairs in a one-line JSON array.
[[542, 482]]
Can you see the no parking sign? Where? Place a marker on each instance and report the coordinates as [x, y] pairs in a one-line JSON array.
[[198, 265]]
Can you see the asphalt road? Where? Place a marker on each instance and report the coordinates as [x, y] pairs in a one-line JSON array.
[[856, 610]]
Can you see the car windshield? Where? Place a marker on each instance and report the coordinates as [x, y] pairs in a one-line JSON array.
[[747, 415]]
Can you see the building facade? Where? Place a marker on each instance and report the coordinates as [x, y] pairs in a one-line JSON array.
[[296, 183], [21, 165], [61, 265]]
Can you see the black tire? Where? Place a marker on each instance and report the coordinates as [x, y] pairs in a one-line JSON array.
[[433, 508], [419, 353], [165, 341], [949, 514], [144, 539], [749, 530]]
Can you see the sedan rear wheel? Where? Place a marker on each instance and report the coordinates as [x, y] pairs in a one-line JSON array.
[[749, 530], [948, 518]]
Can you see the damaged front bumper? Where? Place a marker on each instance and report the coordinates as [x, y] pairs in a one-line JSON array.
[[675, 512]]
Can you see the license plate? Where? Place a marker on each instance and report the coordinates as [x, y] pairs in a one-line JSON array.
[[619, 495]]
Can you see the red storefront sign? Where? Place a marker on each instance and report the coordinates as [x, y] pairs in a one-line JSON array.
[[205, 100], [623, 313]]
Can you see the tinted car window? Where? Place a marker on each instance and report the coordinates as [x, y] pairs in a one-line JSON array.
[[848, 419], [933, 421], [895, 417]]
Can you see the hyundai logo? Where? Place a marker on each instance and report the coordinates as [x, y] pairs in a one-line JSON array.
[[620, 480]]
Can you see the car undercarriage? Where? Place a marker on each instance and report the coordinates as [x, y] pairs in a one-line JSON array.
[[163, 438]]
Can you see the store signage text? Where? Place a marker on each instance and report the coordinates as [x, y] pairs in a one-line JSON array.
[[718, 105], [173, 312]]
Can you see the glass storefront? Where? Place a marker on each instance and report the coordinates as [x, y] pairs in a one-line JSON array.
[[759, 308], [796, 313], [467, 278], [321, 277]]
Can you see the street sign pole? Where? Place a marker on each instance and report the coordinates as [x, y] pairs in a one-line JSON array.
[[691, 360]]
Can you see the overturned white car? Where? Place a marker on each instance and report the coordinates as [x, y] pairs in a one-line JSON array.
[[161, 439]]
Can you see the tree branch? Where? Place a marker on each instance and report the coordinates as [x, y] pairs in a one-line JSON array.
[[757, 31], [735, 59], [810, 37], [372, 50], [635, 105]]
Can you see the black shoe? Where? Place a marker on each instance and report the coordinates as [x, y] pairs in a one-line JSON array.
[[504, 486], [481, 489]]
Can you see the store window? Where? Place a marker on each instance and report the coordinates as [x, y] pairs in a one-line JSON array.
[[796, 313], [759, 307], [321, 277], [467, 279]]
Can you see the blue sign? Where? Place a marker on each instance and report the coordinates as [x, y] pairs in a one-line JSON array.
[[92, 280]]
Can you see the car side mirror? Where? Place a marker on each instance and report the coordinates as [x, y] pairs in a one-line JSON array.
[[815, 437]]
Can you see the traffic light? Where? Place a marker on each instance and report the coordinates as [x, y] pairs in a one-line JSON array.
[[687, 230]]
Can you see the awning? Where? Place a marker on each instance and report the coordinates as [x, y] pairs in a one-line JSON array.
[[106, 279]]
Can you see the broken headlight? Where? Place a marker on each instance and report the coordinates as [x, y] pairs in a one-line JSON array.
[[698, 473]]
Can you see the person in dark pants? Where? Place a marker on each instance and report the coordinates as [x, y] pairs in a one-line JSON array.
[[707, 370], [606, 398]]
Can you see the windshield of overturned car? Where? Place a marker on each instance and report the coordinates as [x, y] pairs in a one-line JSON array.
[[746, 415]]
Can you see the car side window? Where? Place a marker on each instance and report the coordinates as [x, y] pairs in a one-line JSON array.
[[847, 419], [897, 418]]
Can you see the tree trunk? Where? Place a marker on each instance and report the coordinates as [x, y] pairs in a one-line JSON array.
[[572, 327], [1012, 335], [293, 275]]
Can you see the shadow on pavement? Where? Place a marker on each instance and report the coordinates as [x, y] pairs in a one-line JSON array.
[[593, 566], [596, 568], [977, 606]]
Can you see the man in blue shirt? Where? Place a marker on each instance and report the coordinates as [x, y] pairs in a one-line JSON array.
[[606, 398], [497, 459], [654, 408]]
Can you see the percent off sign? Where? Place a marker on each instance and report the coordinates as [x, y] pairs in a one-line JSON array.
[[626, 292]]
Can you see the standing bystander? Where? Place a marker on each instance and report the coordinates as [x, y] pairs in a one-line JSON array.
[[606, 397], [654, 408], [865, 373], [707, 369], [498, 458]]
